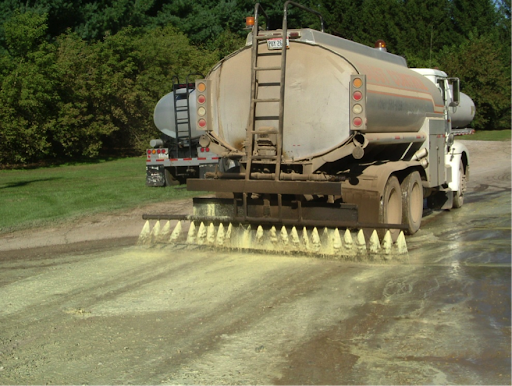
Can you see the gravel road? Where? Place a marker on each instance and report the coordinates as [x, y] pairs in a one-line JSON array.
[[81, 304]]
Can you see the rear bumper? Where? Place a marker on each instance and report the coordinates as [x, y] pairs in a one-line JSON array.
[[266, 187]]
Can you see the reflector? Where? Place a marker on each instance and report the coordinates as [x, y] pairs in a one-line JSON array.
[[357, 95]]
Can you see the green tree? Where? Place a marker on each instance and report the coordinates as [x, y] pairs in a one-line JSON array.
[[474, 17], [27, 99], [384, 23], [484, 77], [109, 89], [342, 18], [425, 28]]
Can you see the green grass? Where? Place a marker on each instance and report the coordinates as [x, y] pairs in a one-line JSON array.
[[488, 135], [41, 196]]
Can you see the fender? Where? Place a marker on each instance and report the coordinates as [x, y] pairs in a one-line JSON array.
[[457, 152], [366, 186]]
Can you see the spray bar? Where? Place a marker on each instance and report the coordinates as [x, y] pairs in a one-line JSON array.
[[274, 221]]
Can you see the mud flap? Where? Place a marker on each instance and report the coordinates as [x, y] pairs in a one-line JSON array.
[[155, 175], [441, 201]]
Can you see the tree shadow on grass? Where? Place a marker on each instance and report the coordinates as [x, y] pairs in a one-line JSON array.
[[19, 184]]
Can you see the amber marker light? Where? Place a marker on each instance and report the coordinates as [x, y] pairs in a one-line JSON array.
[[381, 45], [201, 87], [249, 21]]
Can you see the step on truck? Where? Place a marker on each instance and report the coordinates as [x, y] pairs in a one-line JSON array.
[[177, 155], [335, 146]]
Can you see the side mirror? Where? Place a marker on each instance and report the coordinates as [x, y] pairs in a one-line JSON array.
[[455, 85]]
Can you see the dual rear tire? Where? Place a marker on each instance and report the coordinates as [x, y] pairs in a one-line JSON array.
[[402, 203]]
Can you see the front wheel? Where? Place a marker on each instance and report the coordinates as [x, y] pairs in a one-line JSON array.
[[412, 202], [458, 196]]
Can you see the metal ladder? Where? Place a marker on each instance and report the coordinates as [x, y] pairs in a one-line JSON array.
[[183, 128], [252, 131]]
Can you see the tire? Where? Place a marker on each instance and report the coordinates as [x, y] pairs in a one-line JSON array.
[[412, 202], [170, 180], [458, 196], [391, 206]]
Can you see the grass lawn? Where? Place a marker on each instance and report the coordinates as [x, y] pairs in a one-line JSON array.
[[488, 135], [40, 196]]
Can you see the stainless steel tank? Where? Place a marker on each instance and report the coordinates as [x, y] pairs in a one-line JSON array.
[[316, 118], [463, 114], [164, 116]]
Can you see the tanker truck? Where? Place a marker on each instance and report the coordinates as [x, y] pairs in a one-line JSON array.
[[328, 146], [177, 155]]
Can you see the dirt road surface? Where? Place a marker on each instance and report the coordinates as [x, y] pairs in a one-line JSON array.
[[81, 304]]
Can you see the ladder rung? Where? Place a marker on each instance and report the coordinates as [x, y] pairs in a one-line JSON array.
[[266, 100], [264, 132], [267, 157], [267, 68], [266, 118]]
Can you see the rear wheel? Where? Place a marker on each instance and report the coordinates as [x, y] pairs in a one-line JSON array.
[[391, 206], [458, 196], [412, 202]]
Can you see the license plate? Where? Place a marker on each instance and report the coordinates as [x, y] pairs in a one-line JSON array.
[[277, 44]]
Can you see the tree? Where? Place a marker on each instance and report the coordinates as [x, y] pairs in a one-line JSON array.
[[27, 97], [109, 89], [474, 17], [484, 77], [425, 28]]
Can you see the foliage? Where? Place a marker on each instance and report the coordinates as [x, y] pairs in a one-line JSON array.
[[28, 96], [80, 78], [73, 99], [484, 77]]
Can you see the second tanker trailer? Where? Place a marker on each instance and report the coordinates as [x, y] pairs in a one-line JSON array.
[[318, 134]]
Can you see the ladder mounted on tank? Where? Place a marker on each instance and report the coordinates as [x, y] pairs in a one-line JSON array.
[[183, 145], [259, 149]]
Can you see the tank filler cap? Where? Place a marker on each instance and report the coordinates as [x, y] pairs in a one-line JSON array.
[[381, 45], [204, 141]]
